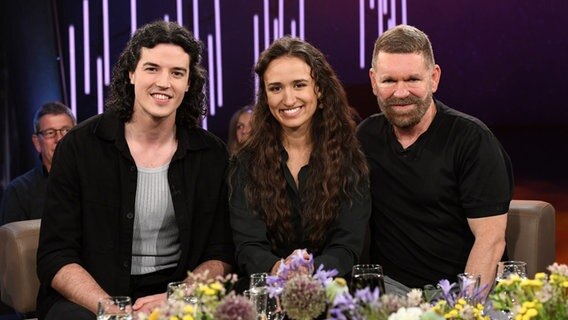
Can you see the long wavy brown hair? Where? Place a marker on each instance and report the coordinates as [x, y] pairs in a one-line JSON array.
[[337, 165]]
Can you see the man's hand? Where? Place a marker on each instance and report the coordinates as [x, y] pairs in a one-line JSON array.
[[148, 303]]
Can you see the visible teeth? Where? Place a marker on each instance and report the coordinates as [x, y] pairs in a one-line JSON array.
[[160, 96], [291, 110]]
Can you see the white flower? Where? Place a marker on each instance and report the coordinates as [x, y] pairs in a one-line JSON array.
[[413, 313], [414, 297]]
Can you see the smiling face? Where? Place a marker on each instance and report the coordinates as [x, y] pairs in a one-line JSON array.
[[160, 80], [291, 93], [404, 84]]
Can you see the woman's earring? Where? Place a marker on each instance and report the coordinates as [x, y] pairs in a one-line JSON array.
[[320, 106]]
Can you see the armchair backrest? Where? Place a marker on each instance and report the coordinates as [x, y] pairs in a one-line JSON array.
[[19, 284], [531, 234]]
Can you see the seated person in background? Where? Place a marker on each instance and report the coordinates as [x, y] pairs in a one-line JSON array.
[[137, 196], [441, 183], [301, 180], [24, 197], [239, 128]]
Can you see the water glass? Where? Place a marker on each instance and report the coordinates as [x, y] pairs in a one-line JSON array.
[[507, 268], [180, 291], [469, 286], [115, 308], [258, 293], [367, 275]]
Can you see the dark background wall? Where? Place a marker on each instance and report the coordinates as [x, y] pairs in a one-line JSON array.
[[502, 61]]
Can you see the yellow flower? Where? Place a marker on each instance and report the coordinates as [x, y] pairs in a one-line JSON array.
[[462, 301], [564, 284], [216, 286], [532, 313], [452, 314], [529, 304], [206, 290], [188, 309], [187, 317], [531, 283], [155, 315], [174, 318], [540, 276]]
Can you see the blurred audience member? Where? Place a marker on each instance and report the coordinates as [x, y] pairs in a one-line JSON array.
[[24, 197], [239, 128]]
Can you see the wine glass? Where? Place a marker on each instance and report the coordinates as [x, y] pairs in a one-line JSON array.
[[115, 308], [367, 275]]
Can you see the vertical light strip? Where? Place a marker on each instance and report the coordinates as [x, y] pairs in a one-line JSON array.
[[281, 18], [166, 17], [293, 28], [372, 4], [100, 102], [106, 45], [392, 19], [211, 69], [218, 54], [380, 17], [204, 123], [362, 34], [86, 48], [266, 25], [404, 19], [72, 70], [275, 26], [132, 16], [302, 20], [196, 19], [179, 11], [256, 50]]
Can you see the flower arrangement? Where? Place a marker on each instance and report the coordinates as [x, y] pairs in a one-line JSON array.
[[302, 295], [449, 304], [210, 299], [543, 298], [460, 304]]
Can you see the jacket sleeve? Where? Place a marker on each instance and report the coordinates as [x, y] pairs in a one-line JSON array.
[[346, 235], [253, 250], [61, 231], [219, 244]]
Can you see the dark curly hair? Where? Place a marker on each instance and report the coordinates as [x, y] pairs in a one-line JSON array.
[[337, 165], [121, 95]]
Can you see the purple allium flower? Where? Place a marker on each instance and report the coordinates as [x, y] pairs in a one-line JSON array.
[[234, 307], [303, 297]]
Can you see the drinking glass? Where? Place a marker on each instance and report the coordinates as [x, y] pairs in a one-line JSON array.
[[507, 268], [115, 308], [258, 293], [266, 307], [367, 275], [469, 286], [180, 291]]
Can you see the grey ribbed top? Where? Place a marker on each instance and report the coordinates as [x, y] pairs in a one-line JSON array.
[[155, 244]]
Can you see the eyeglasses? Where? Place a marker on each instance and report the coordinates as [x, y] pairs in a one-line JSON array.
[[50, 133]]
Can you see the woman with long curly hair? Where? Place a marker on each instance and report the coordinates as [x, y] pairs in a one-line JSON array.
[[300, 181]]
